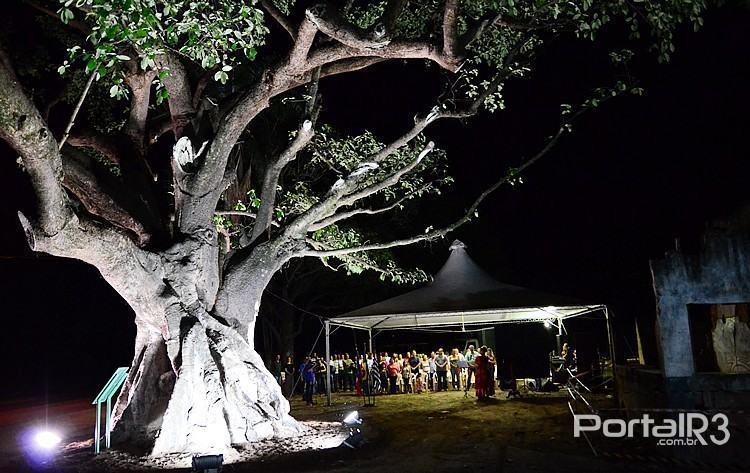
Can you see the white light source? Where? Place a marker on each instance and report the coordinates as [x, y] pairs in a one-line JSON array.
[[46, 439], [352, 418], [547, 324]]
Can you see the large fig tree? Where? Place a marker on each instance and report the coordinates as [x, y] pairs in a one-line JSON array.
[[186, 203]]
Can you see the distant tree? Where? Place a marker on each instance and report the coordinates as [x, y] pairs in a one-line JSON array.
[[188, 213]]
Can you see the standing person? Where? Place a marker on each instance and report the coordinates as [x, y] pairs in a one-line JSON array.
[[383, 367], [433, 371], [394, 372], [340, 364], [483, 379], [400, 376], [332, 373], [307, 370], [348, 379], [320, 374], [441, 369], [470, 357], [288, 376], [276, 367], [406, 375], [336, 373], [316, 370], [424, 373], [455, 370], [414, 363], [360, 368], [492, 372]]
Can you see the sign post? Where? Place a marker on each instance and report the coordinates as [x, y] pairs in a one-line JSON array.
[[105, 395]]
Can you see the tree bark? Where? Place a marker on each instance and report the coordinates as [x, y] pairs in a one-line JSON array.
[[196, 384]]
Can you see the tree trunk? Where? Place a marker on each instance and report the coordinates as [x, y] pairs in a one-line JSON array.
[[221, 395], [196, 384]]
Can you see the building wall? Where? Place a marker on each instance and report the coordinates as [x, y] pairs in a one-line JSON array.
[[717, 274]]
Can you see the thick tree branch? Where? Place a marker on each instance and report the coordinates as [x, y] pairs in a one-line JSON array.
[[337, 196], [139, 83], [349, 65], [82, 183], [280, 18], [102, 144], [365, 211], [271, 178], [21, 125], [352, 46], [390, 180], [450, 29], [434, 234], [298, 56], [203, 183], [134, 273], [332, 25], [393, 50], [181, 108], [316, 245]]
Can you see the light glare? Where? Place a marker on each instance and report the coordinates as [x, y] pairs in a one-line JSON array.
[[46, 439], [352, 418]]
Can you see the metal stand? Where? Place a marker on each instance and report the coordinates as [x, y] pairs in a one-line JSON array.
[[327, 326]]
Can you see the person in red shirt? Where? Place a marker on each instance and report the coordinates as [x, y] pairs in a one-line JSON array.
[[484, 383]]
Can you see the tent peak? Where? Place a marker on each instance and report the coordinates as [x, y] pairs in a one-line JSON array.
[[457, 244]]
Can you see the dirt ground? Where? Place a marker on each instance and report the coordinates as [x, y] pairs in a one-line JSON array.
[[429, 432]]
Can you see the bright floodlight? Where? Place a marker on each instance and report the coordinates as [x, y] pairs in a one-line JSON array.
[[46, 439], [352, 418], [547, 324]]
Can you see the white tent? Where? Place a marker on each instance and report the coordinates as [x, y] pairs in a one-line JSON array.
[[462, 295]]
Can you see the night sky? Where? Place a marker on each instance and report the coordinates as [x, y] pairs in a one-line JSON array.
[[635, 175]]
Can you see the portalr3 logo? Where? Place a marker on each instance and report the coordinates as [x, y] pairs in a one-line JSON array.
[[690, 428]]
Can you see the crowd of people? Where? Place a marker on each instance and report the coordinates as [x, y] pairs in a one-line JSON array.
[[408, 373]]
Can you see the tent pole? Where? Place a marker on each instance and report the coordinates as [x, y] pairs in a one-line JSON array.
[[328, 362], [612, 354], [369, 332]]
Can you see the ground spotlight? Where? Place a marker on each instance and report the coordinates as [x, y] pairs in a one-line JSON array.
[[352, 418], [40, 446], [355, 439], [208, 463], [46, 440]]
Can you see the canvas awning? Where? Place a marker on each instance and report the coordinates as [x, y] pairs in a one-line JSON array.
[[462, 294]]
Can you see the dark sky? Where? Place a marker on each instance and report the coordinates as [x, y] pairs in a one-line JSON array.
[[635, 175]]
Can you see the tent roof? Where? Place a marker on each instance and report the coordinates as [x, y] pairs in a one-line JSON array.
[[462, 294]]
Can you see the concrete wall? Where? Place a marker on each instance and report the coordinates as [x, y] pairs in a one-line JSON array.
[[718, 274]]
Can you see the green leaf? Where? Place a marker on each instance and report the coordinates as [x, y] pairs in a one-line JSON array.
[[66, 15], [221, 76]]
